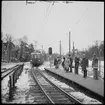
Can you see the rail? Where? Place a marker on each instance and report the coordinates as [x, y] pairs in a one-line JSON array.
[[49, 99], [99, 97], [70, 97]]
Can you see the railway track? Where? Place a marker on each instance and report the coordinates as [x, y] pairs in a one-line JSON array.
[[74, 88], [53, 93], [36, 92]]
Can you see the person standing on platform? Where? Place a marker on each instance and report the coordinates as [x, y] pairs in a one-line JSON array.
[[59, 60], [84, 65], [71, 61], [95, 67], [76, 64], [66, 63], [63, 62], [55, 59], [56, 63]]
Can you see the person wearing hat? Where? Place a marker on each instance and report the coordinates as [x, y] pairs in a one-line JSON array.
[[71, 62], [84, 65], [63, 62], [56, 62], [76, 64], [95, 66], [66, 63]]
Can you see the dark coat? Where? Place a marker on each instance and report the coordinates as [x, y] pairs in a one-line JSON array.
[[84, 63], [77, 61], [55, 61], [95, 62], [71, 61]]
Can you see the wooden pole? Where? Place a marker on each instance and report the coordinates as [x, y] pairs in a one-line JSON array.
[[10, 88], [60, 48], [73, 50], [69, 42], [99, 63]]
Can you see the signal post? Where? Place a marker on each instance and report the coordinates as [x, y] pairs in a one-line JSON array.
[[50, 53]]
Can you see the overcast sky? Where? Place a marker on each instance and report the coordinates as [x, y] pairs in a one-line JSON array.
[[48, 24]]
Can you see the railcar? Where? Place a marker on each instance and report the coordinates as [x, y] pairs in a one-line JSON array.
[[37, 58]]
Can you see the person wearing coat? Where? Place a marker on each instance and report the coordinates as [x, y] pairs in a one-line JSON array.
[[63, 62], [76, 64], [84, 65], [71, 62], [66, 64], [95, 67], [56, 63]]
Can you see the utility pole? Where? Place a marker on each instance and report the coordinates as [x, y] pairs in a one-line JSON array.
[[42, 47], [99, 62], [69, 42], [35, 45], [73, 49], [8, 52], [60, 48]]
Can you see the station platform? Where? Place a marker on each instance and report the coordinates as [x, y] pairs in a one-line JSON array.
[[96, 86]]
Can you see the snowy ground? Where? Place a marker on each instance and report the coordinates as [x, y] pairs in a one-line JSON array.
[[22, 92], [79, 95], [8, 65], [24, 81]]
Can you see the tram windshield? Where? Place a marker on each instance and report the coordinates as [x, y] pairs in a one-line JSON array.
[[35, 55]]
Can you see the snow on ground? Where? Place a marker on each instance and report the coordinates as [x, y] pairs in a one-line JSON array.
[[8, 65], [79, 95], [85, 99], [23, 86], [21, 94], [4, 89], [55, 81], [45, 65]]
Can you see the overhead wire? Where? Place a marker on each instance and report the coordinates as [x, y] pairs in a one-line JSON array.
[[46, 16], [47, 11], [82, 15], [78, 21], [50, 8]]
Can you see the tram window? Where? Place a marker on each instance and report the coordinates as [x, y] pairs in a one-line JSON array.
[[35, 56], [31, 56], [38, 56]]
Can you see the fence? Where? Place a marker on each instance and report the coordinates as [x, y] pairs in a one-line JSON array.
[[13, 79]]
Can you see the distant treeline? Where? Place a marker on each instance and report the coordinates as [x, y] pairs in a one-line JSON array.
[[20, 50], [95, 49], [15, 50]]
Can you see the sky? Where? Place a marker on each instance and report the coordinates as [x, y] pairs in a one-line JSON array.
[[48, 24]]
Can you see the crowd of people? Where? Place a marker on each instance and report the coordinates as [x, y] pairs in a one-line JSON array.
[[67, 64]]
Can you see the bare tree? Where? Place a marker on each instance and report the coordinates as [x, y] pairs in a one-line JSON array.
[[23, 42], [9, 40]]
